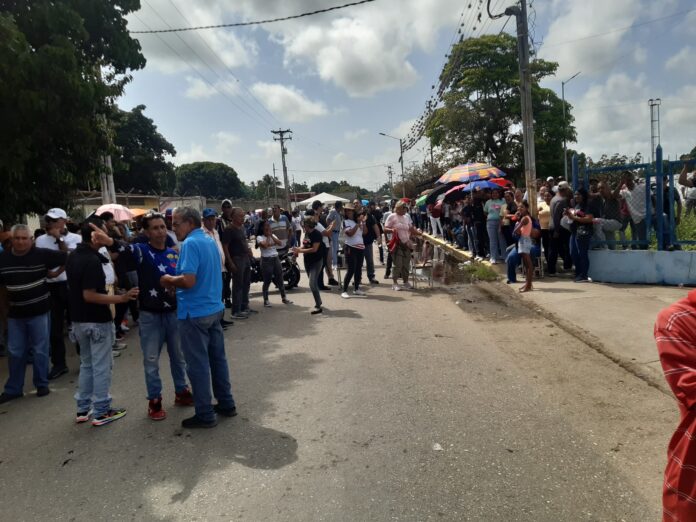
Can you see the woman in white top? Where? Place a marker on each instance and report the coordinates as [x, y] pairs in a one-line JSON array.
[[271, 269], [354, 250]]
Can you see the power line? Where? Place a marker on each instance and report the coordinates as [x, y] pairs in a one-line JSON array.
[[211, 84], [340, 170], [256, 22], [620, 29], [229, 69]]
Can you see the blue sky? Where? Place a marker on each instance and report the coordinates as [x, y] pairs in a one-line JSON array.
[[338, 79]]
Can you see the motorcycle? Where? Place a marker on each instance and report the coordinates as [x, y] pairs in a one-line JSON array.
[[291, 270]]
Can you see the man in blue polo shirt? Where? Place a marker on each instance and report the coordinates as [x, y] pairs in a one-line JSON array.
[[198, 289]]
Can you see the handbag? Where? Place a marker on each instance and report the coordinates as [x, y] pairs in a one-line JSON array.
[[393, 242]]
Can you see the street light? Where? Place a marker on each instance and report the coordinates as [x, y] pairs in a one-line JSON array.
[[565, 150], [401, 160]]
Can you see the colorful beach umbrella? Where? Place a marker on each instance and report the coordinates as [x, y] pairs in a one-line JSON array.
[[471, 172], [480, 185]]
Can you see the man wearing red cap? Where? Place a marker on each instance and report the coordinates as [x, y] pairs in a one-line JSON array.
[[675, 335]]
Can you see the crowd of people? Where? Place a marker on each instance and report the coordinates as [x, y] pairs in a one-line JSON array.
[[174, 274], [496, 224]]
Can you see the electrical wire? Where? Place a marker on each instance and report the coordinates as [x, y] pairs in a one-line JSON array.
[[340, 170], [619, 29], [256, 22]]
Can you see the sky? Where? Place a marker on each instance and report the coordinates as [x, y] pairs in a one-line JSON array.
[[338, 79]]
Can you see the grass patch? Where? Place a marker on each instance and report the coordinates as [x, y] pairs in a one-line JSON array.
[[479, 272]]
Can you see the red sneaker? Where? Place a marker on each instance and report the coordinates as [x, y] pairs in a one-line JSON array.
[[155, 410], [184, 398]]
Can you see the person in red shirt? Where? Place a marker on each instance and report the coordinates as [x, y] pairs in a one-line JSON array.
[[675, 335]]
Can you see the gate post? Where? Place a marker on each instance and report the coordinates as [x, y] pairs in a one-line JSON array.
[[575, 172], [659, 195]]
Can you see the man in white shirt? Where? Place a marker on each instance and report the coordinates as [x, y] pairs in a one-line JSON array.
[[281, 227], [58, 238], [634, 195]]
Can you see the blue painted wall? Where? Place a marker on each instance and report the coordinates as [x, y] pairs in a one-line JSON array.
[[643, 267]]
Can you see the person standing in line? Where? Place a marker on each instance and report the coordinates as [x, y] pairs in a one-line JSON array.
[[634, 195], [399, 225], [524, 245], [58, 238], [93, 326], [297, 226], [354, 250], [209, 227], [239, 254], [581, 234], [281, 227], [222, 225], [320, 224], [313, 250], [496, 239], [271, 269], [335, 216], [158, 321], [560, 236], [199, 310], [23, 271], [544, 215], [372, 234], [386, 212]]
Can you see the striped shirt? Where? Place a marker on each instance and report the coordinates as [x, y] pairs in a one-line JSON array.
[[25, 279]]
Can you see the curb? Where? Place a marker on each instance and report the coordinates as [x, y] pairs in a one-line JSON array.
[[651, 378]]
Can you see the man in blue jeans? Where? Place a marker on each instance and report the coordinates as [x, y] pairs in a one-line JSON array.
[[23, 270], [93, 326], [198, 288], [158, 321]]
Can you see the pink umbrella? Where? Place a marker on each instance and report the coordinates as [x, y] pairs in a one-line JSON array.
[[120, 212]]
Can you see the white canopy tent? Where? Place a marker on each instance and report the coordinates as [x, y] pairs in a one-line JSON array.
[[324, 197]]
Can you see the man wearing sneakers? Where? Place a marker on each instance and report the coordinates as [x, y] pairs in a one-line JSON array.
[[93, 326], [198, 288], [158, 321]]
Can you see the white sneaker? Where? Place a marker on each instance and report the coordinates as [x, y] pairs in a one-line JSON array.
[[494, 262], [359, 293], [345, 295], [408, 286], [396, 288]]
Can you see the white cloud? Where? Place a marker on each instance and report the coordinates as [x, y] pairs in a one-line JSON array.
[[199, 89], [564, 42], [169, 52], [355, 135], [225, 141], [683, 61], [288, 103], [269, 148], [195, 153]]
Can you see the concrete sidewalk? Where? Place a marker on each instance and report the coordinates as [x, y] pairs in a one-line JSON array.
[[616, 320]]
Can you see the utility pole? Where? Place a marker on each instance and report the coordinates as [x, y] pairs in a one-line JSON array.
[[520, 13], [654, 126], [106, 175], [565, 127], [282, 139], [390, 175], [275, 183], [401, 159]]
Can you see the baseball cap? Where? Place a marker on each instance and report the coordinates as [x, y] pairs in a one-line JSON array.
[[226, 203], [550, 178], [57, 213], [209, 212], [563, 185]]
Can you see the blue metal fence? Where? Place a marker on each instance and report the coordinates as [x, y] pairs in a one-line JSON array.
[[664, 227]]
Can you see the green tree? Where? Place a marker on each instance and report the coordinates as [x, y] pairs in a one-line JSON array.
[[62, 63], [209, 179], [480, 119], [300, 187], [140, 162]]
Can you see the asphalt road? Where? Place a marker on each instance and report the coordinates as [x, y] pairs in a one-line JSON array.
[[425, 405]]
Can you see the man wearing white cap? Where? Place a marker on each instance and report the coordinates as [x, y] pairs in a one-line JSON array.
[[58, 238]]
